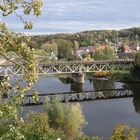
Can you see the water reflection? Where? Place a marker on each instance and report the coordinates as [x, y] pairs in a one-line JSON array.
[[135, 87], [102, 115], [107, 84], [78, 87], [97, 84], [103, 84]]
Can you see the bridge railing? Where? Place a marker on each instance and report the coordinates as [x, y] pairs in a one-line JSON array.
[[69, 67], [82, 61]]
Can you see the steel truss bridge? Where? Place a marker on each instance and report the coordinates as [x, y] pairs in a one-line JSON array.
[[66, 67], [78, 97]]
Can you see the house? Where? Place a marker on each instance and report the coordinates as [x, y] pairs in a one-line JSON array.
[[101, 47], [124, 49], [87, 57], [83, 51]]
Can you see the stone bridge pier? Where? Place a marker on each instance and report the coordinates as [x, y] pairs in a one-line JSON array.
[[77, 77]]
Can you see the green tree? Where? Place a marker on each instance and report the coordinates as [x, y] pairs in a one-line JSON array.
[[105, 53], [137, 59], [65, 49], [50, 47], [136, 69], [66, 118], [76, 45]]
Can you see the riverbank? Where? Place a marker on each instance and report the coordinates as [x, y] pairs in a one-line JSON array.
[[123, 76]]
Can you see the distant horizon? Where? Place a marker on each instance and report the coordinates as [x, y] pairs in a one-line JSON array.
[[46, 33], [76, 16]]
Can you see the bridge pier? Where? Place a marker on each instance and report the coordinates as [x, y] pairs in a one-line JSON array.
[[77, 77]]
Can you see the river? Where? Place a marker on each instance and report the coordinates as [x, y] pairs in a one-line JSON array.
[[102, 115]]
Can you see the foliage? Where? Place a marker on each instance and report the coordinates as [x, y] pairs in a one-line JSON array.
[[102, 74], [65, 49], [126, 76], [50, 47], [135, 71], [37, 127], [106, 53], [13, 47], [94, 38], [27, 6], [137, 59], [10, 124], [124, 132], [66, 118]]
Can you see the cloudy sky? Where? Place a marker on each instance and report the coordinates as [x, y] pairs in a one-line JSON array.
[[70, 16]]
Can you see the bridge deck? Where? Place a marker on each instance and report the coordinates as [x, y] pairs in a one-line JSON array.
[[64, 67]]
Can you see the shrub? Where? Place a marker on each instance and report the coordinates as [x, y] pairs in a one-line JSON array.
[[123, 132], [102, 74], [37, 127]]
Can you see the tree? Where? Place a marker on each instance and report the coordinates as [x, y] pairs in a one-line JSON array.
[[76, 45], [66, 118], [104, 53], [14, 45], [50, 47], [65, 49], [8, 7], [136, 69], [33, 44]]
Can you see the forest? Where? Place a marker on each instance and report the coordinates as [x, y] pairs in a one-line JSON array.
[[64, 44], [87, 38]]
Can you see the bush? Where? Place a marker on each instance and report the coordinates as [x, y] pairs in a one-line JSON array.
[[124, 132], [102, 74], [37, 127]]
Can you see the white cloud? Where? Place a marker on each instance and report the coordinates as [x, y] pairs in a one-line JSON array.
[[74, 16]]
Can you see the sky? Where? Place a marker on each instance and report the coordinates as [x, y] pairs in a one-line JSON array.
[[70, 16]]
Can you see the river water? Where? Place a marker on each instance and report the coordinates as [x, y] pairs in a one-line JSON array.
[[102, 115]]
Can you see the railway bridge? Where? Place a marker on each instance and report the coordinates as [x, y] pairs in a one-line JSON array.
[[64, 67], [69, 67]]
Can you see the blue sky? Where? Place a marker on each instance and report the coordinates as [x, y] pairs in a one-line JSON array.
[[68, 16]]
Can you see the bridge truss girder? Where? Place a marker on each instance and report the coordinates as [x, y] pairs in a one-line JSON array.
[[64, 68]]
